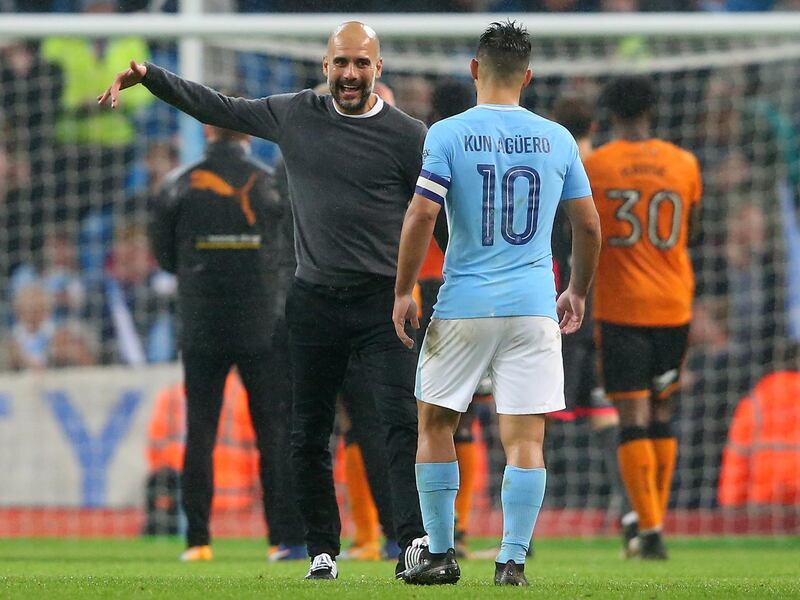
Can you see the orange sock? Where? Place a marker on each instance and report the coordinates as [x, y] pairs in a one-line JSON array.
[[637, 464], [666, 451], [362, 506], [467, 454]]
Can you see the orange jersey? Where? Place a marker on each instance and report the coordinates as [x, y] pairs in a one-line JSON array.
[[434, 263], [644, 192]]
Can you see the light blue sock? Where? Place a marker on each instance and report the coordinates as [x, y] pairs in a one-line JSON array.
[[522, 495], [437, 484]]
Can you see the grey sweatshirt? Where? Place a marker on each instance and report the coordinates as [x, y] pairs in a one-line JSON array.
[[350, 179]]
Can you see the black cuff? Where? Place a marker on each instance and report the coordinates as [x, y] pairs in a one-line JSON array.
[[661, 430]]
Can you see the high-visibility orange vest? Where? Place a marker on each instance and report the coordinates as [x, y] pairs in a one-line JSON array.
[[761, 462], [236, 483]]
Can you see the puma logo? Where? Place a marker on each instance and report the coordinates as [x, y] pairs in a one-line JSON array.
[[206, 180]]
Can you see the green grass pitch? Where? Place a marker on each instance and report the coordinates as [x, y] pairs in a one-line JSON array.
[[726, 568]]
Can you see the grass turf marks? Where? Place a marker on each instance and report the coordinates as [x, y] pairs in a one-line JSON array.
[[726, 568]]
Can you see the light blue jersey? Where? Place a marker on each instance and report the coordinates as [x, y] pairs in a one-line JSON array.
[[500, 172]]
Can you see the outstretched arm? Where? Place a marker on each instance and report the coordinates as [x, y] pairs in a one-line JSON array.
[[262, 118], [414, 241]]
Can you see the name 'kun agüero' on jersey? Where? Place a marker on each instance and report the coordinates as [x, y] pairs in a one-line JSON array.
[[519, 144]]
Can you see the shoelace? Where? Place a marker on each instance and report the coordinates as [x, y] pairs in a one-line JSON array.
[[414, 552], [321, 561]]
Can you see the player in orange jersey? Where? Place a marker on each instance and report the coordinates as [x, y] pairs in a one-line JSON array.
[[647, 191], [583, 391]]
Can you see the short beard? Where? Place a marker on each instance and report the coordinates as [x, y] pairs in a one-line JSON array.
[[351, 106]]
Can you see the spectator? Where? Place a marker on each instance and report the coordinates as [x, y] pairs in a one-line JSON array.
[[545, 6], [96, 229], [414, 95], [33, 328], [60, 274], [8, 204], [450, 97], [753, 290], [161, 157], [30, 92], [737, 5], [761, 463], [138, 301], [73, 344], [20, 214], [5, 169], [95, 144]]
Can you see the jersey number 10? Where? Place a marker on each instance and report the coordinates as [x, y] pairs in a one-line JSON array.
[[489, 174]]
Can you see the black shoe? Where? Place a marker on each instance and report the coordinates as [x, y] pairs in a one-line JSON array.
[[428, 569], [401, 564], [510, 574], [630, 539], [322, 567], [652, 546]]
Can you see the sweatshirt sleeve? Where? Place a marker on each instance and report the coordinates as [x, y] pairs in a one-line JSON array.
[[262, 117]]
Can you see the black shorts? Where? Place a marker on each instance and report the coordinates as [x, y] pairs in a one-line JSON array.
[[582, 391], [641, 361]]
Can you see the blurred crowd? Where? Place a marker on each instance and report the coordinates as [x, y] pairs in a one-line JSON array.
[[445, 6]]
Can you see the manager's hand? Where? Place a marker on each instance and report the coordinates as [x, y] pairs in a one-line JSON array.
[[405, 309], [124, 79]]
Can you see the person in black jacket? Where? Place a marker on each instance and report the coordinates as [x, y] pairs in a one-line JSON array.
[[217, 226]]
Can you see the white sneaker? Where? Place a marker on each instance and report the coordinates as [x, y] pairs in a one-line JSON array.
[[322, 567], [413, 554]]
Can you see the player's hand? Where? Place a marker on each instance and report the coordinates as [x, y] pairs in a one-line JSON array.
[[405, 309], [124, 79], [570, 307]]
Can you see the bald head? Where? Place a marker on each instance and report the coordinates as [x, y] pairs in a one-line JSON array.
[[352, 65], [354, 34]]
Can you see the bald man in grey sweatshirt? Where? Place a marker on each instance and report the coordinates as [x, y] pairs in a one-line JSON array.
[[352, 162]]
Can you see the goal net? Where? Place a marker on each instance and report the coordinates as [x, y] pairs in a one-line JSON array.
[[88, 322]]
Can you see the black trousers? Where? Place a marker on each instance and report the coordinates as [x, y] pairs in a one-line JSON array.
[[366, 431], [265, 377], [326, 327]]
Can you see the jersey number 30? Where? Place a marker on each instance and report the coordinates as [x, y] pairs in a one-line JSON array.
[[625, 213], [489, 174]]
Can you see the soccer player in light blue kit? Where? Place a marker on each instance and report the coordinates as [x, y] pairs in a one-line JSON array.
[[500, 172]]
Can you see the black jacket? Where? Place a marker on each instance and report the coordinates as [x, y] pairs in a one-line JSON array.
[[217, 226]]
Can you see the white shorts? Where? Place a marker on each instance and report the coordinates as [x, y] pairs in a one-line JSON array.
[[522, 355]]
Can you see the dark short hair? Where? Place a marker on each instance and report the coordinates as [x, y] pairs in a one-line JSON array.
[[451, 97], [505, 48], [574, 113], [629, 97]]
